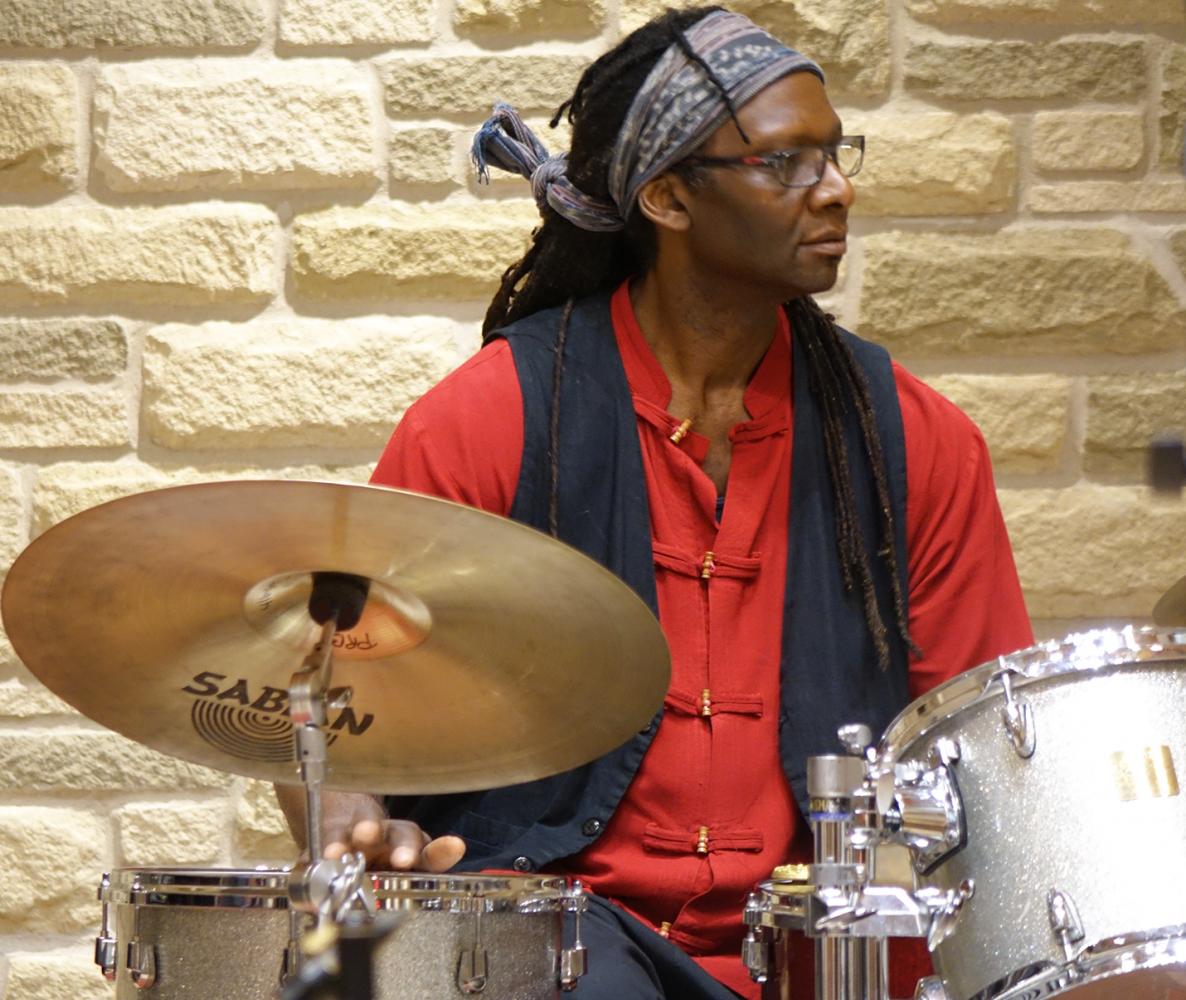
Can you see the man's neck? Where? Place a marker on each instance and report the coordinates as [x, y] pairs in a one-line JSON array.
[[705, 338]]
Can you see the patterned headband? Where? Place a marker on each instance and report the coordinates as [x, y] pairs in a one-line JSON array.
[[676, 109]]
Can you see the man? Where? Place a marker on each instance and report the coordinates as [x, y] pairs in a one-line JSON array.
[[817, 531]]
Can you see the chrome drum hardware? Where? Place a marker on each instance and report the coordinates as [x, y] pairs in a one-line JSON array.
[[1069, 756], [193, 934]]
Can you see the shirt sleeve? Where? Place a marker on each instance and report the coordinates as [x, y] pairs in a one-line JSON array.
[[966, 605], [462, 440]]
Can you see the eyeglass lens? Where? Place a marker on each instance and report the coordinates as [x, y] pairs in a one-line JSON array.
[[806, 167]]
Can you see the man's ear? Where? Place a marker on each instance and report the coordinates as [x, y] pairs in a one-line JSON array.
[[664, 202]]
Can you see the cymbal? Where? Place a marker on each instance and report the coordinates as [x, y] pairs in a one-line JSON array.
[[1170, 608], [487, 653]]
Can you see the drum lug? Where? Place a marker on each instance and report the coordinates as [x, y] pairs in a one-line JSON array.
[[755, 949], [1018, 718], [142, 964], [472, 971], [574, 961], [106, 949], [105, 957], [1065, 921], [473, 963]]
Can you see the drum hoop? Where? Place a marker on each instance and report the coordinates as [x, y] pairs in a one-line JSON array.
[[245, 888], [464, 893], [1103, 960], [1079, 652], [233, 888]]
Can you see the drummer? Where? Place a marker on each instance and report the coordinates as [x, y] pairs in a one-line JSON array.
[[817, 530]]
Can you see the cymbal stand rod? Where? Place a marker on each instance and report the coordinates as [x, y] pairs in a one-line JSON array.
[[307, 709]]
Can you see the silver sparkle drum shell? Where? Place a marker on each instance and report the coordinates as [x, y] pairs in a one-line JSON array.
[[1095, 812], [224, 933]]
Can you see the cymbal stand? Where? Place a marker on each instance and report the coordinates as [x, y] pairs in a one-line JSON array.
[[858, 802], [345, 967], [335, 892], [307, 710]]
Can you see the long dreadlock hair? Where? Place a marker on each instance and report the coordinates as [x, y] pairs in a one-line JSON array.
[[565, 263]]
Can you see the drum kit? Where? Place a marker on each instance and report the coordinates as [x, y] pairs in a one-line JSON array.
[[367, 639]]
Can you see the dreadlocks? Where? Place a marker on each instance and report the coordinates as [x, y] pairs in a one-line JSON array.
[[565, 263]]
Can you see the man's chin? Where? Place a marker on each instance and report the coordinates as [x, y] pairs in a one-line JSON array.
[[812, 284]]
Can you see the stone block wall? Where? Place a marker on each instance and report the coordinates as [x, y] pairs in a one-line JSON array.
[[238, 237]]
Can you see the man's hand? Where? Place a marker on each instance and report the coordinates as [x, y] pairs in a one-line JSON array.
[[351, 821]]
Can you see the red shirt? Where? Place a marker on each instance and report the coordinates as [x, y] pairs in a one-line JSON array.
[[702, 821]]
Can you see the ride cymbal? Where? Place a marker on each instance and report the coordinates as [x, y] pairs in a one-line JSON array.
[[487, 653]]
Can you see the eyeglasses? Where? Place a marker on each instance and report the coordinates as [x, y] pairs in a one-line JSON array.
[[800, 167]]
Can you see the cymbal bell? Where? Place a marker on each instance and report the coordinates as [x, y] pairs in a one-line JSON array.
[[487, 653]]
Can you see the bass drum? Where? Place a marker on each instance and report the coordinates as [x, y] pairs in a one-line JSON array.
[[1069, 760], [198, 934]]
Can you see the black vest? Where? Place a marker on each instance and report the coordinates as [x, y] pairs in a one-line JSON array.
[[829, 672]]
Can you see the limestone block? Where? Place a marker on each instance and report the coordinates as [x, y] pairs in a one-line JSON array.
[[423, 156], [1020, 292], [935, 164], [849, 40], [181, 255], [1172, 116], [261, 832], [1077, 14], [10, 666], [171, 833], [42, 349], [57, 975], [101, 24], [52, 862], [456, 250], [64, 418], [356, 22], [468, 85], [13, 534], [1024, 418], [1178, 246], [232, 124], [1094, 551], [292, 383], [93, 760], [518, 17], [1125, 412], [21, 699], [70, 487], [1108, 196], [1088, 140], [975, 70], [38, 108]]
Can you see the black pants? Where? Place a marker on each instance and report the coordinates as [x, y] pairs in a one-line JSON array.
[[629, 961]]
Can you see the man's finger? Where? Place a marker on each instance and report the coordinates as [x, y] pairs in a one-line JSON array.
[[335, 849], [405, 842], [442, 854], [366, 834]]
